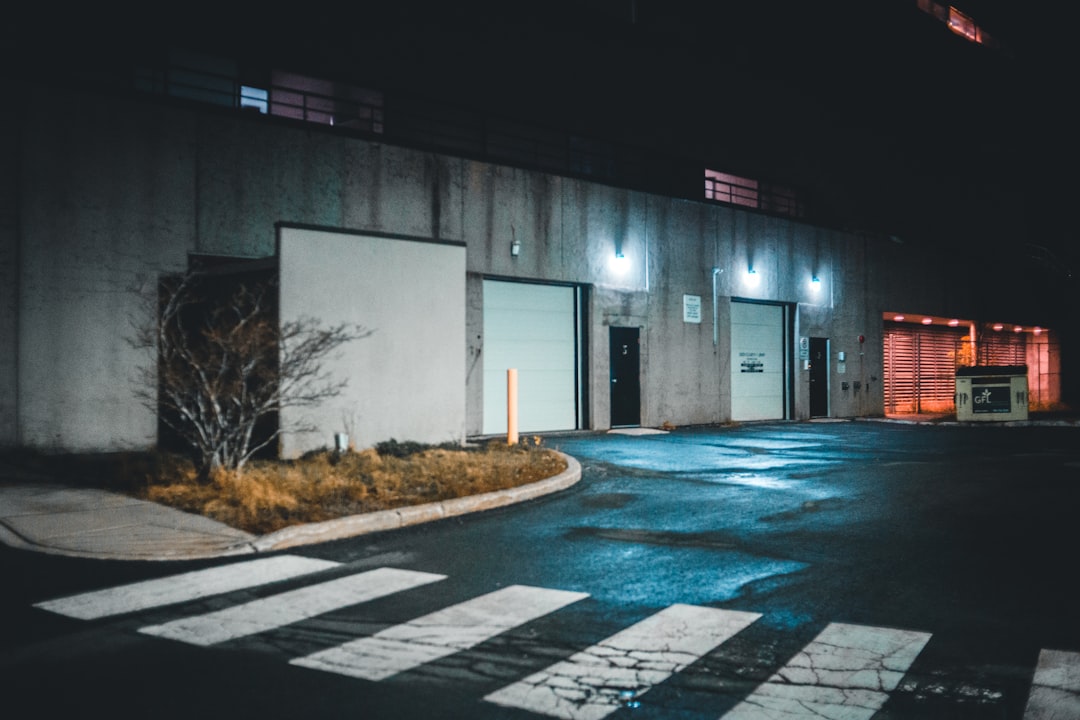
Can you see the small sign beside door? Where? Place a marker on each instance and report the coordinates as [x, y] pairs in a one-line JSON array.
[[691, 308], [751, 362]]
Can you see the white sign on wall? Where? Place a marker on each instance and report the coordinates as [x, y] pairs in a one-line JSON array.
[[691, 308]]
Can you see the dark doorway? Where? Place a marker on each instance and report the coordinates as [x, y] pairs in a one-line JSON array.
[[819, 377], [625, 377]]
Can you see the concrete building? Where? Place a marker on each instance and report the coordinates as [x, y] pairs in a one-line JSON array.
[[618, 305]]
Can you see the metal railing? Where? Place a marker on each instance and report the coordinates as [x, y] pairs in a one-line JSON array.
[[436, 125]]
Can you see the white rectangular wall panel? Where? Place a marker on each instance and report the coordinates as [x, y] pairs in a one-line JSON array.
[[530, 327], [757, 361], [406, 381]]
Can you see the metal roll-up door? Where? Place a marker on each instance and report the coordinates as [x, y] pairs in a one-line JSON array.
[[757, 361], [920, 368], [534, 329], [901, 371], [1002, 349]]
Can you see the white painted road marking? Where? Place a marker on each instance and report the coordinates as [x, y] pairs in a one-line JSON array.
[[439, 634], [1055, 689], [184, 587], [846, 673], [595, 682], [289, 607]]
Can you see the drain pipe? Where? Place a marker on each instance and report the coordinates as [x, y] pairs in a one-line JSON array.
[[715, 329]]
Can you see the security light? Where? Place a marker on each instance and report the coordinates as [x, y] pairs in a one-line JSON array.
[[620, 263]]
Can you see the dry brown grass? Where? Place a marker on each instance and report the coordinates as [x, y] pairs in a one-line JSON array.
[[269, 495]]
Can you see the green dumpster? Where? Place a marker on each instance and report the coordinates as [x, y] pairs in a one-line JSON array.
[[992, 393]]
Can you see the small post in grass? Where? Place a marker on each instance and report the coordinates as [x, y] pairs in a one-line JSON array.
[[511, 407]]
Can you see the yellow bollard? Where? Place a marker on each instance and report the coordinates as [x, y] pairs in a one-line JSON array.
[[511, 407]]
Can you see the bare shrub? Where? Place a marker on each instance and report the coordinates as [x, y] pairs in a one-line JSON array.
[[226, 367]]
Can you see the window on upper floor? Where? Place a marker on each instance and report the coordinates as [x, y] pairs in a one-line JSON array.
[[255, 98], [728, 188], [325, 102], [208, 79], [960, 23], [738, 190], [192, 76]]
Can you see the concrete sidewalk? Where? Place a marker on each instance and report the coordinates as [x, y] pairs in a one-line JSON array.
[[90, 523]]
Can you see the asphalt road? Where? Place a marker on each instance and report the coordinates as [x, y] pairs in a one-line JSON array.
[[724, 568]]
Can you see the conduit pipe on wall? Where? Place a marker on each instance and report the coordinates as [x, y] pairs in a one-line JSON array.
[[715, 329]]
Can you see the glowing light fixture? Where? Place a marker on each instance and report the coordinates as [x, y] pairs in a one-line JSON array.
[[815, 283], [898, 318], [1018, 329], [928, 321], [752, 279], [620, 263], [954, 322], [1037, 330], [998, 326]]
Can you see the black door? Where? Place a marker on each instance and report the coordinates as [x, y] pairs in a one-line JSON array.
[[819, 377], [625, 377]]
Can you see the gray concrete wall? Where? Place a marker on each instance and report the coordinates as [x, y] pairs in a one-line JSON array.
[[9, 276], [105, 203], [111, 194], [251, 175], [108, 194]]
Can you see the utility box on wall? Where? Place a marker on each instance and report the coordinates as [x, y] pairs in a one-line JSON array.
[[992, 394]]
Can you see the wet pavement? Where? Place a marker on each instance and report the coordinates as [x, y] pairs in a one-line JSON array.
[[933, 561]]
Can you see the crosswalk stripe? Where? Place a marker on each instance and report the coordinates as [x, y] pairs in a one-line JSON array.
[[183, 587], [1055, 689], [845, 673], [597, 681], [289, 607], [439, 634]]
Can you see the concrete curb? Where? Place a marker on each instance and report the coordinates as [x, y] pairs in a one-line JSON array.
[[382, 520]]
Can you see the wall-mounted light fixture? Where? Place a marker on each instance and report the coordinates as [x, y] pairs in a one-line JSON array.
[[751, 279], [620, 263], [815, 283], [515, 248]]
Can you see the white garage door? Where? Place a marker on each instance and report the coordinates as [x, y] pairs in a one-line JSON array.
[[757, 361], [532, 328]]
